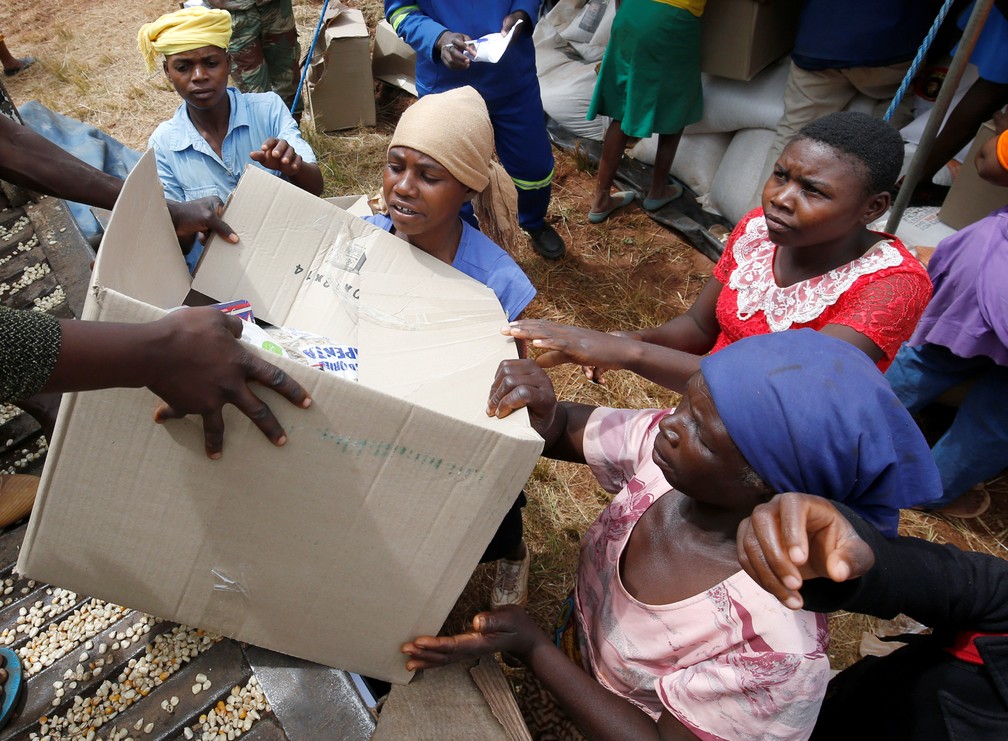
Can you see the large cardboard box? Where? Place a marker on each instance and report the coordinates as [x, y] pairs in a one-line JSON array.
[[741, 37], [339, 84], [393, 60], [358, 534], [971, 197]]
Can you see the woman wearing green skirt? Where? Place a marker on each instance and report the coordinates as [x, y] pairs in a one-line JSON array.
[[649, 82]]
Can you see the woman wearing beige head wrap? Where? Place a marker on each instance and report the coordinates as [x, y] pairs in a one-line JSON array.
[[439, 158], [454, 128]]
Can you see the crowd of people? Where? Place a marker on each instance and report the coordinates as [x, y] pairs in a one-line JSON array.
[[770, 495]]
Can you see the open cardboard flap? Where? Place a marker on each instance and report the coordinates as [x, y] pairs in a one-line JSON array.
[[362, 531], [392, 59]]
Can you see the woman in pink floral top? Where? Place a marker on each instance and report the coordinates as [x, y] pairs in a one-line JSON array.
[[805, 259], [676, 640], [730, 659]]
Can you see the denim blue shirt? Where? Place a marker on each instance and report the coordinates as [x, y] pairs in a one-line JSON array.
[[189, 168]]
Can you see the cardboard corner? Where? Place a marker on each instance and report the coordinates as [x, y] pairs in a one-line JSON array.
[[140, 254]]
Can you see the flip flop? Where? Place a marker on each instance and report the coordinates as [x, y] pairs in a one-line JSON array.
[[621, 198], [26, 62], [12, 687], [972, 503], [653, 204]]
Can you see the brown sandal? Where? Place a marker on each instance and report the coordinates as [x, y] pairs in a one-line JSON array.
[[17, 495], [972, 503]]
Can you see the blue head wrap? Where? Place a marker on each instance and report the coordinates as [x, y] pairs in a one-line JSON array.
[[811, 413]]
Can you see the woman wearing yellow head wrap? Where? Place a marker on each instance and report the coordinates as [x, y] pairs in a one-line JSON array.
[[217, 131], [440, 158], [184, 30]]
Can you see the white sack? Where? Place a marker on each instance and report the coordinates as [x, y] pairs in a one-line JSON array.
[[738, 176], [732, 105]]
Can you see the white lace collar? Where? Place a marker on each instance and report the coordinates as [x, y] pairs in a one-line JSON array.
[[753, 279]]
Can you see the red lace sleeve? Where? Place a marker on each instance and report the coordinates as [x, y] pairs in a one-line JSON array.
[[885, 306]]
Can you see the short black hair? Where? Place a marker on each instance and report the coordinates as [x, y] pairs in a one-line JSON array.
[[869, 140]]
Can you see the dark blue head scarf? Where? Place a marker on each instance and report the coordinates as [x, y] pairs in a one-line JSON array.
[[811, 413]]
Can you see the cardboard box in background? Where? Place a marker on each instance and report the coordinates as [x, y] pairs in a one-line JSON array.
[[339, 87], [393, 60], [358, 534], [971, 197], [741, 37]]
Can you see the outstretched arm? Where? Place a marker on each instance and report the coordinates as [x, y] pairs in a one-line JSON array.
[[191, 358], [32, 161], [694, 331], [598, 712], [599, 351], [667, 355], [840, 562]]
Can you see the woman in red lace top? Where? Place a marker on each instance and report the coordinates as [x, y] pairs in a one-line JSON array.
[[806, 258]]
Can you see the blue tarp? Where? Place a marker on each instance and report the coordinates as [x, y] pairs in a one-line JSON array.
[[87, 143]]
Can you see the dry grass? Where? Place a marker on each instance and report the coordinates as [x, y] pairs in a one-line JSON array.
[[628, 273]]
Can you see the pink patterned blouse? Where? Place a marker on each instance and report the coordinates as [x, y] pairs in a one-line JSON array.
[[729, 663]]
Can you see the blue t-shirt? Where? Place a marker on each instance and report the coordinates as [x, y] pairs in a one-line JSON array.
[[481, 258], [989, 54], [859, 33]]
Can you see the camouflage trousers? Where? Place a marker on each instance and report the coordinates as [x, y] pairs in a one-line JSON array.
[[264, 49]]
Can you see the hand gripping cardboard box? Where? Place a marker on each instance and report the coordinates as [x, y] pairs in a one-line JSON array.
[[362, 531], [739, 38], [340, 89]]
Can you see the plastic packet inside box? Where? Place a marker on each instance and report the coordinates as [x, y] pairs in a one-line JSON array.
[[358, 534]]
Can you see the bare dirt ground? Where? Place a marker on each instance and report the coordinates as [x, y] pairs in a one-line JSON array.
[[626, 273]]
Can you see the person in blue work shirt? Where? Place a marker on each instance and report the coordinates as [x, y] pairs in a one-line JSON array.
[[441, 33]]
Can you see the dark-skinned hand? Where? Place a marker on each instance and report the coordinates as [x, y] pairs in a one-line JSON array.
[[508, 629], [589, 348], [453, 48], [203, 366], [799, 536], [522, 383], [277, 154], [199, 217]]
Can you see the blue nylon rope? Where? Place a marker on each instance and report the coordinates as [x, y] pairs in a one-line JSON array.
[[915, 65], [311, 51]]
